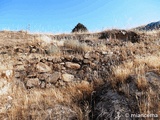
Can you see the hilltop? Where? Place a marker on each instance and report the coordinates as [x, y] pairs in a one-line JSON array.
[[150, 26], [79, 76]]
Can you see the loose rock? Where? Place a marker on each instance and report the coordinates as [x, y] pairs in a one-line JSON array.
[[34, 82], [52, 78], [43, 68], [67, 77], [72, 65]]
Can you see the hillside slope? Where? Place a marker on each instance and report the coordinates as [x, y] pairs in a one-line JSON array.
[[90, 76]]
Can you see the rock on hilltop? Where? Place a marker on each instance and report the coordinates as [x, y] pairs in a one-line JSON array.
[[79, 28]]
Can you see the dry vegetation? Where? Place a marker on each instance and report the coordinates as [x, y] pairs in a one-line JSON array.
[[117, 59], [77, 46]]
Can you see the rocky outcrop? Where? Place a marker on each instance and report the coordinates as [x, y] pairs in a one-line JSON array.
[[120, 35], [110, 104], [79, 28]]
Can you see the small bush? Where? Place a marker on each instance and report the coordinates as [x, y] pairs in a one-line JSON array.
[[53, 50]]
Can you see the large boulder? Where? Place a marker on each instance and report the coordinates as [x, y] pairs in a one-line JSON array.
[[79, 28]]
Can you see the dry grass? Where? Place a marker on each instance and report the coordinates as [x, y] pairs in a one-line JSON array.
[[151, 61], [77, 46], [139, 66], [25, 104], [141, 79], [121, 73]]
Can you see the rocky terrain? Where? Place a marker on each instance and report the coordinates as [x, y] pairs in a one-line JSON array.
[[79, 76]]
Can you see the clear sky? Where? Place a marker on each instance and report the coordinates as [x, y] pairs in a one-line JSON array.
[[62, 15]]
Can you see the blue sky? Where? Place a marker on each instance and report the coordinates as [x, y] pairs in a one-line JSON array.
[[62, 15]]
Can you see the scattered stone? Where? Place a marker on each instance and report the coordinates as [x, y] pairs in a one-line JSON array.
[[43, 68], [19, 68], [95, 56], [49, 59], [43, 76], [60, 83], [93, 65], [49, 85], [43, 84], [2, 82], [43, 60], [32, 75], [57, 60], [95, 74], [104, 53], [60, 112], [52, 78], [72, 65], [8, 73], [63, 68], [77, 58], [19, 63], [33, 50], [57, 67], [34, 58], [86, 61], [69, 57], [67, 77], [17, 74], [33, 82], [5, 86], [87, 55], [18, 50]]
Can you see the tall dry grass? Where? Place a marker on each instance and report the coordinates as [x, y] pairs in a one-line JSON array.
[[77, 46], [36, 103]]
